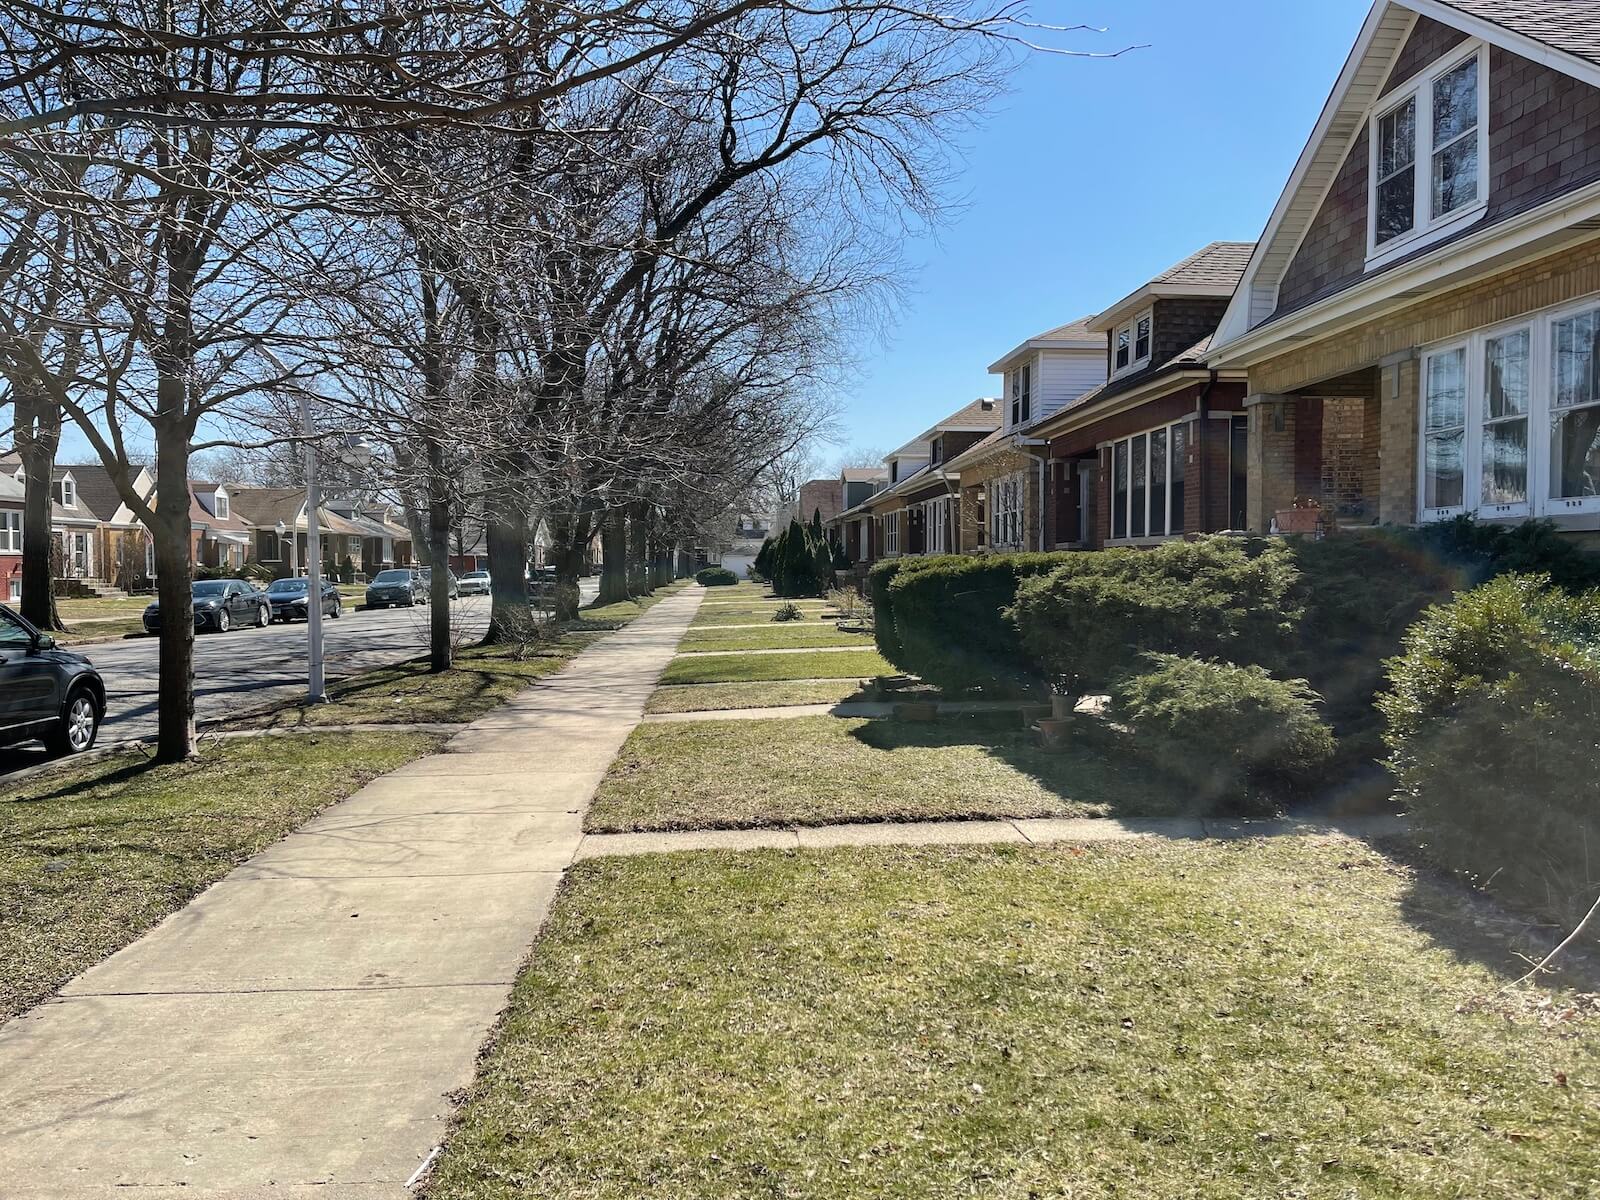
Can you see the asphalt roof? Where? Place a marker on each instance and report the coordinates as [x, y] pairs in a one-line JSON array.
[[1571, 26], [1220, 264]]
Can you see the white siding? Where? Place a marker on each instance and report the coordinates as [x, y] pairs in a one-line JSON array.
[[1064, 375]]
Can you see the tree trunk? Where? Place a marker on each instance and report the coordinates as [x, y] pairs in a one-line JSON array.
[[614, 582], [506, 530], [38, 434], [441, 653], [638, 550], [568, 536], [175, 739]]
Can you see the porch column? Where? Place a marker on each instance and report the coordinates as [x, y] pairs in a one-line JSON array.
[[1398, 389], [1270, 460]]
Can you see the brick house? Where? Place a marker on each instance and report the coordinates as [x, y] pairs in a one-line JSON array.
[[1000, 477], [1157, 450], [11, 496], [917, 510], [1420, 321]]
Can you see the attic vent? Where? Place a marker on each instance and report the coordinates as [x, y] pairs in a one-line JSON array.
[[987, 403]]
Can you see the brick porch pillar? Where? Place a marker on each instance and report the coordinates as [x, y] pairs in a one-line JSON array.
[[1398, 386], [1271, 458]]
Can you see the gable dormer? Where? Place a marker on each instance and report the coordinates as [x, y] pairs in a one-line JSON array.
[[67, 491], [1161, 319], [1455, 123], [1047, 372]]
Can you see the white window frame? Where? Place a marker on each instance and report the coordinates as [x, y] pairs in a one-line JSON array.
[[1146, 536], [1007, 502], [1019, 408], [1541, 413], [69, 492], [11, 531], [220, 500], [15, 588], [1425, 227], [1131, 328], [891, 534]]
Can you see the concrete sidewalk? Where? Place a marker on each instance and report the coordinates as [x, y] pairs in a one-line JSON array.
[[1041, 831], [297, 1030]]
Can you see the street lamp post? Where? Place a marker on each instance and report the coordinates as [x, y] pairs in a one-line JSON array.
[[357, 453]]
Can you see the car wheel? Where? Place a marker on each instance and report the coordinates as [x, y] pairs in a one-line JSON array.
[[337, 609], [224, 623], [263, 617], [76, 730]]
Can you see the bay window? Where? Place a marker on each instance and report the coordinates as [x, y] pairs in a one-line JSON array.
[[1147, 483], [1429, 155], [10, 533], [1482, 399]]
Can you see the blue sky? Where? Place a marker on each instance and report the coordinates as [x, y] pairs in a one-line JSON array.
[[1091, 177]]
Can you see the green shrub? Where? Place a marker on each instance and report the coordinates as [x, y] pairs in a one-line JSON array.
[[879, 577], [762, 567], [1093, 616], [802, 563], [715, 577], [1482, 551], [787, 612], [1493, 716], [347, 570], [1242, 739], [952, 627]]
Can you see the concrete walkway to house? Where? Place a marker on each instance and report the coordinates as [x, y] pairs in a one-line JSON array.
[[299, 1028], [1021, 832]]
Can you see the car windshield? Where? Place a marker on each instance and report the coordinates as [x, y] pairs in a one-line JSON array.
[[392, 577], [293, 587], [211, 587], [476, 575]]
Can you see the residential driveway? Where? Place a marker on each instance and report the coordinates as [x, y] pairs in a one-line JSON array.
[[246, 668]]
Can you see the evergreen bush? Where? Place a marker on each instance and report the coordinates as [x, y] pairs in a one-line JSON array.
[[1493, 721], [1242, 739], [802, 563], [715, 577]]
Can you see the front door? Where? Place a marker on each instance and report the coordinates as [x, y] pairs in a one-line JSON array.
[[80, 554]]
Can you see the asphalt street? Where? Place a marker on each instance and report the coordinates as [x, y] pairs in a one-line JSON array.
[[247, 668]]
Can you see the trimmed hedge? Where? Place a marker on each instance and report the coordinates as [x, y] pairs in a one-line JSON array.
[[1493, 718], [1240, 738], [945, 619], [715, 577], [1093, 618]]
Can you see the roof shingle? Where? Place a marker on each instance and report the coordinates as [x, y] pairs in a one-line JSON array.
[[1571, 26], [1218, 265]]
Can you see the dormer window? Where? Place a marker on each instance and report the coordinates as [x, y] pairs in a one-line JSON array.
[[1131, 343], [222, 505], [69, 493], [1430, 154], [937, 452], [1022, 394], [894, 470]]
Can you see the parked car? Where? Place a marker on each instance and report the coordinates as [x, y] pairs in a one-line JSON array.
[[289, 603], [397, 585], [219, 604], [46, 692], [475, 583], [455, 584], [542, 581]]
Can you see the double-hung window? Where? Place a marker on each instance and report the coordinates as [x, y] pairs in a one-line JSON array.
[[1511, 419], [1022, 394], [1147, 483], [1429, 155], [1005, 512], [891, 533], [10, 532], [1131, 343]]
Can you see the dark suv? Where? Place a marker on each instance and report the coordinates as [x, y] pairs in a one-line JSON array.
[[46, 692], [397, 585]]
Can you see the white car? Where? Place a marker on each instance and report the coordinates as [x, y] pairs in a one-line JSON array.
[[475, 583]]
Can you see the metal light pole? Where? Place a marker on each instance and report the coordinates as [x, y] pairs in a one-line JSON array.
[[316, 689]]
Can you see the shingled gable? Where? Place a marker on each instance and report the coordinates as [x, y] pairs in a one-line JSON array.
[[1543, 101]]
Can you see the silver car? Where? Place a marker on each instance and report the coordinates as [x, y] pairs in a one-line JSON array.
[[475, 583]]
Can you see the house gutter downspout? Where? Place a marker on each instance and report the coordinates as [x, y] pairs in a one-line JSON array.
[[1022, 443], [1204, 408]]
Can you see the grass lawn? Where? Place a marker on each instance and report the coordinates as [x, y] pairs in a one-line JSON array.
[[706, 697], [816, 770], [70, 610], [786, 635], [713, 616], [101, 631], [483, 678], [756, 668], [1183, 1021], [94, 853]]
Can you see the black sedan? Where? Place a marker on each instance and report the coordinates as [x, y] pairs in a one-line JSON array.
[[219, 604], [46, 692], [398, 585], [288, 598]]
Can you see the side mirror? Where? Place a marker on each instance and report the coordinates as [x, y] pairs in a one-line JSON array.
[[44, 642]]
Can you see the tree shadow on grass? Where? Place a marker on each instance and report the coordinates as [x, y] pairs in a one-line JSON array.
[[1096, 771]]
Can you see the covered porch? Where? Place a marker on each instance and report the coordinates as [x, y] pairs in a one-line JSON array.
[[1315, 461]]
